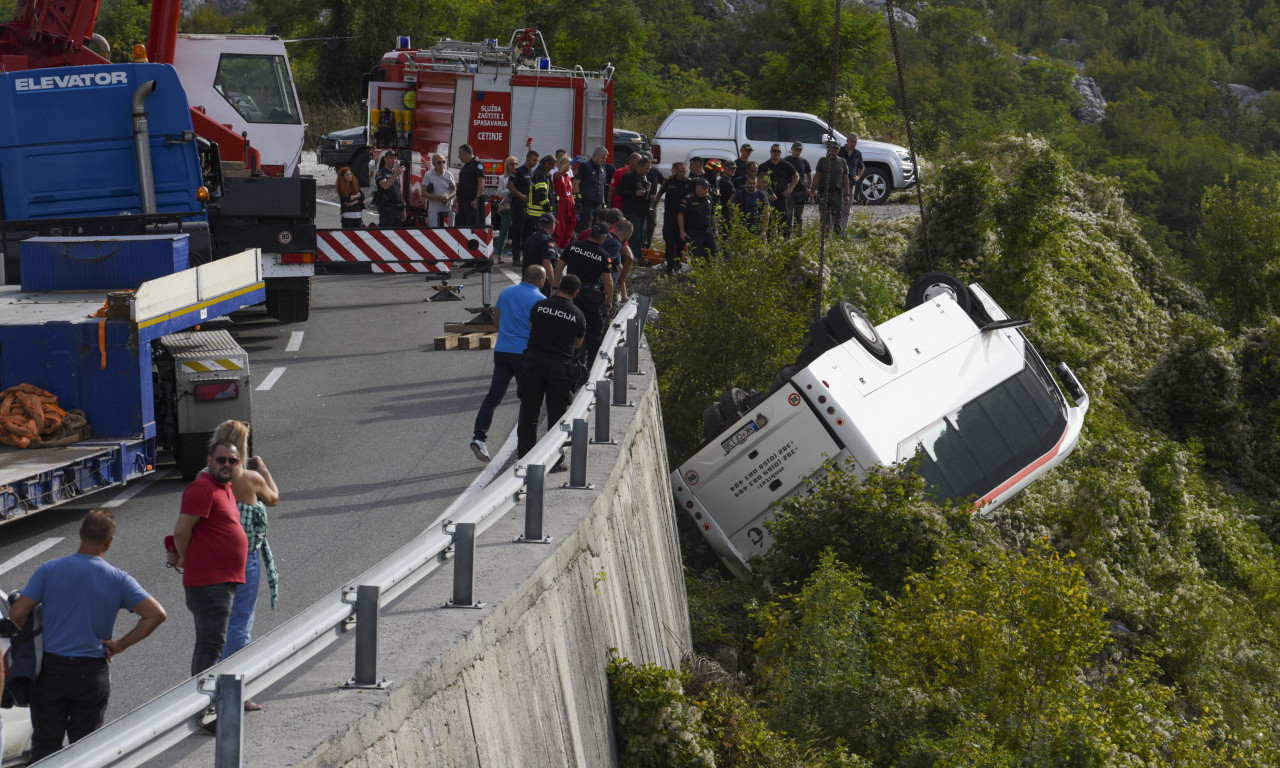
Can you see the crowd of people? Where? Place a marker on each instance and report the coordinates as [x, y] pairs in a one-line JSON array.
[[697, 199], [67, 611]]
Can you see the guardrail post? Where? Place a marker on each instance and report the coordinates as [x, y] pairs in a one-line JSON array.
[[602, 413], [367, 599], [464, 566], [578, 455], [229, 707], [633, 345], [620, 362], [535, 483], [642, 312]]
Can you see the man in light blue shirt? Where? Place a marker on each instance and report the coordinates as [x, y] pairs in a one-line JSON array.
[[81, 595], [511, 314]]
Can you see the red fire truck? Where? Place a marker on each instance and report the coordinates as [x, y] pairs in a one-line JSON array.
[[502, 100]]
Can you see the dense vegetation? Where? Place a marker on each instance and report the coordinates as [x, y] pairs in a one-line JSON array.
[[1124, 609]]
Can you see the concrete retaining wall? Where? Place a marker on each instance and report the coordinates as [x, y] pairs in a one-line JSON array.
[[522, 682]]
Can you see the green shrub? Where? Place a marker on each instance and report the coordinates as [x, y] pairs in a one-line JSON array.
[[887, 524], [731, 322], [656, 725], [1193, 390]]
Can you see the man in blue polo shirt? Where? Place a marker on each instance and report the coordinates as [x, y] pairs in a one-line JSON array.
[[81, 594], [511, 315]]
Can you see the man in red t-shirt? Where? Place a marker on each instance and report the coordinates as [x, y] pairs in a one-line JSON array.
[[212, 549]]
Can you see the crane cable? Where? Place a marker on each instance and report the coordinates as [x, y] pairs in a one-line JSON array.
[[906, 117], [831, 121]]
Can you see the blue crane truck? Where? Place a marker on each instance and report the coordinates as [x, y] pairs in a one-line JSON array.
[[109, 296]]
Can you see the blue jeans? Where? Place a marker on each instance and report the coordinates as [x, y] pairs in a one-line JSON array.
[[506, 366], [210, 606], [241, 623]]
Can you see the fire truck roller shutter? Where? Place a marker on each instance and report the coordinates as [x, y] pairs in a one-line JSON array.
[[433, 111], [545, 114], [461, 118]]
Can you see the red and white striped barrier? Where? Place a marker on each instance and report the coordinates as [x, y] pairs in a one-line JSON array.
[[405, 250]]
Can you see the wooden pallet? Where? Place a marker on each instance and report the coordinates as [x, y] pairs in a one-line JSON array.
[[466, 341]]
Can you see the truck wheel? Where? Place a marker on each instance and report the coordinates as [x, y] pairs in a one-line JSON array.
[[848, 322], [874, 186], [712, 422], [732, 405], [289, 299], [191, 453], [823, 335], [360, 167], [783, 376], [933, 284]]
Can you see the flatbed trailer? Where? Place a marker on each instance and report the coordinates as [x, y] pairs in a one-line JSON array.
[[100, 352]]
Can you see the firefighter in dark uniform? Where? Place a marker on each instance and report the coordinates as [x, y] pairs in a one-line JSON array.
[[590, 262], [541, 197], [556, 330], [697, 220], [675, 188]]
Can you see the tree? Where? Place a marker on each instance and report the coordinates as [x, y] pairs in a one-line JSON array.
[[1239, 249]]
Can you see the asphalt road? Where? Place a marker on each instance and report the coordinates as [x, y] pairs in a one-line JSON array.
[[365, 429]]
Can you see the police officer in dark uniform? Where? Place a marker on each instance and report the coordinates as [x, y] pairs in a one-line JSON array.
[[697, 220], [556, 330], [723, 190], [470, 185], [655, 183], [673, 191], [590, 262], [521, 187], [540, 248], [780, 179]]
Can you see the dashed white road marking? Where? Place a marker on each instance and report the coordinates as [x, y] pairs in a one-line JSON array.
[[295, 342], [271, 379], [27, 554]]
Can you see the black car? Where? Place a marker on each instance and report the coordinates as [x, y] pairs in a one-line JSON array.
[[625, 142], [346, 147]]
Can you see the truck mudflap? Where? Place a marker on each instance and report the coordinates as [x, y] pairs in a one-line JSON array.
[[34, 480]]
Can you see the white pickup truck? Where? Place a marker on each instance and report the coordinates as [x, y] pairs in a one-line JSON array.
[[952, 379], [719, 133]]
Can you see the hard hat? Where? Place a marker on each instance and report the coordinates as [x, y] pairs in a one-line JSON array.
[[714, 165]]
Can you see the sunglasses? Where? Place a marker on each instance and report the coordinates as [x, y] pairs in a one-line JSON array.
[[775, 151], [227, 460]]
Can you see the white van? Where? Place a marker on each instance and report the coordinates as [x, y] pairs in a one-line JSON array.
[[952, 377], [719, 133]]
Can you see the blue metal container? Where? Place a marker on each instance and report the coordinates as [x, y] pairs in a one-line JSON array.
[[96, 366], [92, 263]]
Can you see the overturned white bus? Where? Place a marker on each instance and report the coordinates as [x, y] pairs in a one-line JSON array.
[[951, 378]]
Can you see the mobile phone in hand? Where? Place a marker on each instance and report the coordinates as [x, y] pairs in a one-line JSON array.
[[252, 464]]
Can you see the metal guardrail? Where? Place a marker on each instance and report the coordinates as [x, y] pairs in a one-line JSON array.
[[166, 720]]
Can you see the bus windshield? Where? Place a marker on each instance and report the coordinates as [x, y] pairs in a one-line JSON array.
[[971, 451], [258, 87]]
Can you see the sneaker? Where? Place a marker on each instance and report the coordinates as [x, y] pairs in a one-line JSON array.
[[480, 450]]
